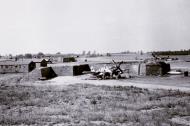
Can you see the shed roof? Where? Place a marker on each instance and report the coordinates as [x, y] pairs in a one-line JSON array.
[[34, 60], [15, 62], [160, 63], [153, 64]]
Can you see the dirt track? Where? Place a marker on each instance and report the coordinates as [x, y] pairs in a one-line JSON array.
[[172, 82]]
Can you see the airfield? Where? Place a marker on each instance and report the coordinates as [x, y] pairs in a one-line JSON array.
[[84, 101]]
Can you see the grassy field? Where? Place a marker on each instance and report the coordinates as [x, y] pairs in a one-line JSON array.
[[90, 105]]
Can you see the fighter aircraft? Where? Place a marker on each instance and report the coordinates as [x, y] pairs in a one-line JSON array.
[[114, 72]]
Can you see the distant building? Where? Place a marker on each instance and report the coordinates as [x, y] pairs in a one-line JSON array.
[[69, 59], [22, 66], [16, 67], [60, 58]]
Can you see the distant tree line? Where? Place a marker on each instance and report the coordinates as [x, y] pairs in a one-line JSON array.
[[30, 56], [181, 52], [25, 56], [91, 54]]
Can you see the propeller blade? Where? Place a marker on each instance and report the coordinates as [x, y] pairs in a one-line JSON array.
[[114, 61]]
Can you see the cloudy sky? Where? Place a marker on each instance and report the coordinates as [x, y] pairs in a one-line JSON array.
[[102, 25]]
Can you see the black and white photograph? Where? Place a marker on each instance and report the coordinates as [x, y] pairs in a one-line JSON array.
[[94, 62]]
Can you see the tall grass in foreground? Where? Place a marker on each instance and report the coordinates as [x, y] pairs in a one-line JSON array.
[[89, 105]]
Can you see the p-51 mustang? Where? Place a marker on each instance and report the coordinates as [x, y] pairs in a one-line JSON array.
[[114, 72]]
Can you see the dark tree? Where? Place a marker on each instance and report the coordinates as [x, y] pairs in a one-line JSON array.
[[40, 55], [28, 56], [20, 56], [58, 53]]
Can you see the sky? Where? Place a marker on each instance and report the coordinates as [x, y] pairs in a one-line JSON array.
[[71, 26]]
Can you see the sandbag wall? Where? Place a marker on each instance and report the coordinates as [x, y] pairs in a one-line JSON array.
[[48, 73], [43, 73], [79, 69], [157, 68], [70, 70]]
